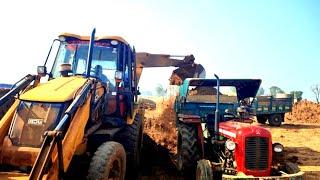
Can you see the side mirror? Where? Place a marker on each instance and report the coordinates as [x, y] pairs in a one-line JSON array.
[[42, 71]]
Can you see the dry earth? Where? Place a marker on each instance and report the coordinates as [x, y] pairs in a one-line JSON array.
[[300, 134]]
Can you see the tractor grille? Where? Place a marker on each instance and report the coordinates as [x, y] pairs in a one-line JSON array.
[[257, 153]]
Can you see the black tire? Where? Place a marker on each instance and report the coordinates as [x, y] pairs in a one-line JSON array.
[[291, 168], [109, 161], [275, 120], [261, 119], [188, 151], [131, 137], [204, 170]]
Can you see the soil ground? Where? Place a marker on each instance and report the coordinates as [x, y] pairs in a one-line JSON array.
[[300, 134]]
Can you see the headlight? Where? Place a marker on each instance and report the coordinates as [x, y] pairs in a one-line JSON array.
[[277, 147], [42, 71], [230, 145], [118, 75]]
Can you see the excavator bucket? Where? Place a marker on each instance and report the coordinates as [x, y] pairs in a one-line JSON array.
[[186, 66]]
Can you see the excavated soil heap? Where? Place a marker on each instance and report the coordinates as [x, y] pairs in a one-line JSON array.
[[203, 90], [304, 112], [160, 124]]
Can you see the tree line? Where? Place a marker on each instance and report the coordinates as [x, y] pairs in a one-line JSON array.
[[274, 90]]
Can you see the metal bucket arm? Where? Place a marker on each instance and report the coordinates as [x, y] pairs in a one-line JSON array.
[[186, 66]]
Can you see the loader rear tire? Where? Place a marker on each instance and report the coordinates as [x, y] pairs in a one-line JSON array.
[[109, 161], [275, 120], [204, 170], [291, 168], [131, 137], [188, 151]]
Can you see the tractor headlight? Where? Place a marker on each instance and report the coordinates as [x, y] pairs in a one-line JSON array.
[[277, 147], [230, 145]]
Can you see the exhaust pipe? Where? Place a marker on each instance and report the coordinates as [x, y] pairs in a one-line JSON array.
[[90, 52], [216, 114]]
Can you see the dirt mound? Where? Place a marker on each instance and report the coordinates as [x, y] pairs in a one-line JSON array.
[[203, 90], [304, 112], [160, 124]]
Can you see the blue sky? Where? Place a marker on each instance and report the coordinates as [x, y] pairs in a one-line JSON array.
[[276, 41]]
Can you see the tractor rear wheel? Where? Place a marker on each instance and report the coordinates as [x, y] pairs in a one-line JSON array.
[[131, 137], [204, 170], [291, 168], [188, 151], [275, 120], [109, 161]]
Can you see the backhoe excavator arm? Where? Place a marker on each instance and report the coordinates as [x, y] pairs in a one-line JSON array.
[[186, 67]]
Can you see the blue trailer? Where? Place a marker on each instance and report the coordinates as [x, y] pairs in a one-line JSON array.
[[271, 109]]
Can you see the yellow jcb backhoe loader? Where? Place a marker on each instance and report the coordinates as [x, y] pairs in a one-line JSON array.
[[86, 111]]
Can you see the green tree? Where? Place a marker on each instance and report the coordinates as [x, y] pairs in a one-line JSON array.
[[260, 91], [297, 94], [160, 91], [275, 90]]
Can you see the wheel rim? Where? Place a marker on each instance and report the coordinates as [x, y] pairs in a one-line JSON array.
[[276, 119], [115, 170]]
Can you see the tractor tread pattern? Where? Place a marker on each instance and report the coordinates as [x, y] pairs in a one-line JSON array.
[[189, 148]]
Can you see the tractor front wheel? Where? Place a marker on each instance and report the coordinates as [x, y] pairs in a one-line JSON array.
[[108, 162], [204, 170], [291, 168]]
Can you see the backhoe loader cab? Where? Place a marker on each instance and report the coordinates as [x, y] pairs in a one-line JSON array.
[[112, 56]]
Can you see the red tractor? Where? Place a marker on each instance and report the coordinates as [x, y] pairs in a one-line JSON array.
[[216, 135]]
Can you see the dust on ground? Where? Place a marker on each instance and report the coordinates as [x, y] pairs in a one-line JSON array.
[[300, 135]]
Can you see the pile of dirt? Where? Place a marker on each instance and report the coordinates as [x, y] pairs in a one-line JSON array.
[[203, 90], [304, 112], [160, 124]]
